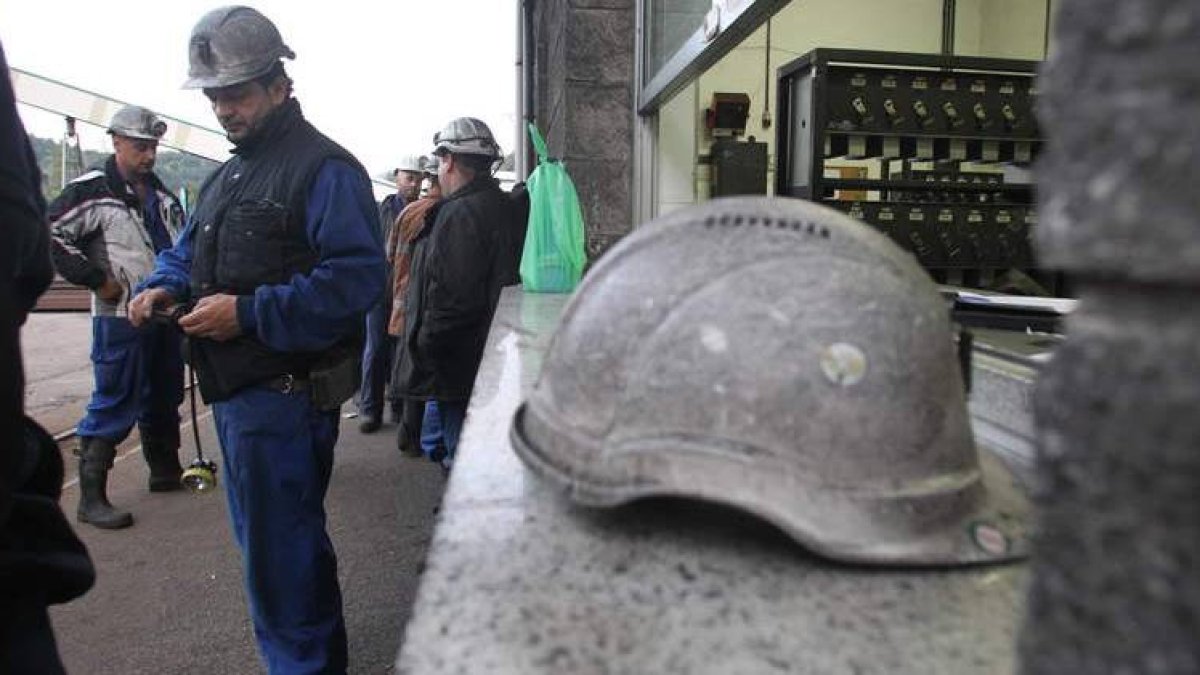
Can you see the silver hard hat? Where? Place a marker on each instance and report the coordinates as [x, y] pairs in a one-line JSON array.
[[466, 136], [134, 121], [432, 163], [779, 357], [232, 45], [413, 163]]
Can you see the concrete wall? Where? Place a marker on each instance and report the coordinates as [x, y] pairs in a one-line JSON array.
[[584, 102], [1011, 29], [1113, 585], [1000, 28]]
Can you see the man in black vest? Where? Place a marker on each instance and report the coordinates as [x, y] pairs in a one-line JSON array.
[[282, 258]]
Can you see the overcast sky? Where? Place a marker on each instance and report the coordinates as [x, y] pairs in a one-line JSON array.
[[378, 77]]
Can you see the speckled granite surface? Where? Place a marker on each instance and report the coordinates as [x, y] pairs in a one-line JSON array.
[[521, 581], [1005, 367]]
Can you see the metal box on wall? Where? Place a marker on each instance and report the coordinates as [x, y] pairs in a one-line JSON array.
[[738, 168]]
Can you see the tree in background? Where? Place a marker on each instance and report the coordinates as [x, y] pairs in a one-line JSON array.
[[176, 169]]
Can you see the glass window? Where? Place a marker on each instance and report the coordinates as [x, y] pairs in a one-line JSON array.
[[669, 24], [681, 38]]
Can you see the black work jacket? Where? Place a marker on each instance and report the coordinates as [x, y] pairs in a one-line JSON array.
[[461, 259]]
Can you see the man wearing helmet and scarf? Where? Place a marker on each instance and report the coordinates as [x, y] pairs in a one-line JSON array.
[[377, 352]]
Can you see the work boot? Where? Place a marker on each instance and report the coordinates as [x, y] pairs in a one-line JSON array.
[[408, 435], [95, 459], [369, 424], [161, 451]]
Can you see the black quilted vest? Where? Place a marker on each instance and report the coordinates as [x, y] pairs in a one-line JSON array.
[[250, 230]]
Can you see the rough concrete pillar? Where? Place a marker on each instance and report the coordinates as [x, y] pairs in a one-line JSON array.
[[585, 68], [1116, 570]]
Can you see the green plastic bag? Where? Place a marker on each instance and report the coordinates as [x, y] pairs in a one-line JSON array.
[[553, 258]]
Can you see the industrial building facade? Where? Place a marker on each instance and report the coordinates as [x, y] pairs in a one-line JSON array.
[[620, 87]]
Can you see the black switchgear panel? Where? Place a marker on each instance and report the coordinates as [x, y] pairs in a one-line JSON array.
[[938, 138]]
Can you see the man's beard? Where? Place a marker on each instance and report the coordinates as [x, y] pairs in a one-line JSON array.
[[245, 133], [252, 129]]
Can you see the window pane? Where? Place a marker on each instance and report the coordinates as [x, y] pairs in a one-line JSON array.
[[669, 24]]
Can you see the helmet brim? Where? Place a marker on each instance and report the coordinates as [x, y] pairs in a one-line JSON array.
[[237, 75], [973, 519], [134, 134], [202, 83], [217, 81]]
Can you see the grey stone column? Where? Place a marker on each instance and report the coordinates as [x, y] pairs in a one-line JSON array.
[[585, 80], [1116, 571]]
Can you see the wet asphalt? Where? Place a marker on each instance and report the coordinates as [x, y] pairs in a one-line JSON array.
[[168, 597]]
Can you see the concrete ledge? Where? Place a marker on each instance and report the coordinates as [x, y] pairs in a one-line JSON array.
[[519, 580]]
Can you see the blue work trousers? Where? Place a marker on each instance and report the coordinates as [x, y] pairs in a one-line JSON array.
[[454, 413], [278, 452], [376, 361], [139, 379], [440, 429], [433, 443]]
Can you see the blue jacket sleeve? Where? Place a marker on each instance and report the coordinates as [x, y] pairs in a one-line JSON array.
[[315, 310], [173, 266]]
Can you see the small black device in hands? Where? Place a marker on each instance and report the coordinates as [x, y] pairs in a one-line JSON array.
[[171, 315]]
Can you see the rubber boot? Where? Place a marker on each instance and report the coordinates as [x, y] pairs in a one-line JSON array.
[[95, 459], [408, 434], [161, 450]]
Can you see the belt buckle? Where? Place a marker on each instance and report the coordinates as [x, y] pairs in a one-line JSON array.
[[288, 384]]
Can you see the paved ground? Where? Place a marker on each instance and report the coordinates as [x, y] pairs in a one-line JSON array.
[[168, 597], [58, 376]]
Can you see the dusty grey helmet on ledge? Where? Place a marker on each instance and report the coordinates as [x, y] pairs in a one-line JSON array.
[[232, 45], [133, 121], [782, 358]]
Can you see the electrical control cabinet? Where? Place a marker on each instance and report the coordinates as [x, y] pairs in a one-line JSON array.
[[944, 142]]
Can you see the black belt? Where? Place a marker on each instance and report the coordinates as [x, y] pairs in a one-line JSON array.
[[287, 384]]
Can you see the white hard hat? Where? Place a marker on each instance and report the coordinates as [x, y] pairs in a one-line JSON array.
[[413, 163], [134, 121], [466, 136]]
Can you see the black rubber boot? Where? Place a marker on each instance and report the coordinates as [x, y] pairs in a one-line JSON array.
[[408, 435], [95, 458], [161, 450]]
